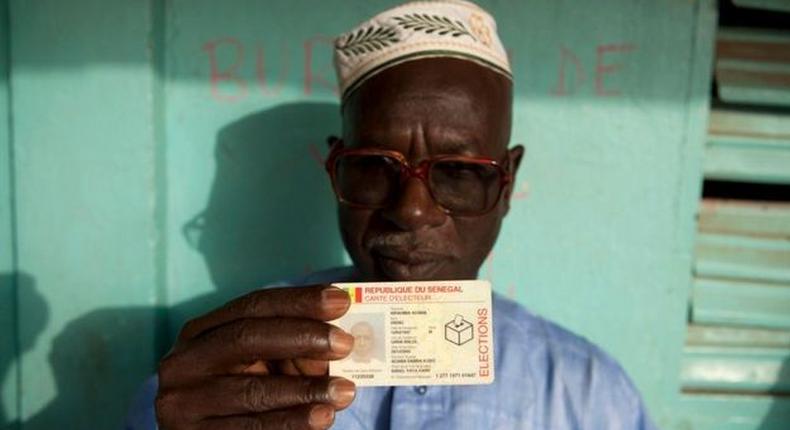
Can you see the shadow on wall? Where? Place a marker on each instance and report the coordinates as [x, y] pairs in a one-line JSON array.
[[249, 237], [36, 318], [270, 216], [778, 416], [97, 365]]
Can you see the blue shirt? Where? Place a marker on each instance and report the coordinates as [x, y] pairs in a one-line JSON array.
[[547, 378]]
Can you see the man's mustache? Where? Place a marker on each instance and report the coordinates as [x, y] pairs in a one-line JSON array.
[[408, 241]]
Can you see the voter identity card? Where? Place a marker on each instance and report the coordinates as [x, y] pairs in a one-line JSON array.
[[418, 333]]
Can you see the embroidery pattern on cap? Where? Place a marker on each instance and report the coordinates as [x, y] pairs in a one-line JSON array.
[[368, 40], [429, 24], [478, 27]]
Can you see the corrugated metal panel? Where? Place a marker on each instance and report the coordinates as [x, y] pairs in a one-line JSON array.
[[742, 281], [712, 335], [756, 124], [748, 146], [740, 159], [731, 369], [741, 257], [737, 217], [738, 342], [741, 303], [736, 362], [753, 66], [776, 5], [734, 412]]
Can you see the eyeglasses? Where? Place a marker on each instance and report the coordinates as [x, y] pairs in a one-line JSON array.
[[374, 178]]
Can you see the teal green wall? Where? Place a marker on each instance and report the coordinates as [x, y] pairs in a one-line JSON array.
[[9, 392], [85, 204], [143, 192]]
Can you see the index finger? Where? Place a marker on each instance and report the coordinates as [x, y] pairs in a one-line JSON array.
[[319, 302]]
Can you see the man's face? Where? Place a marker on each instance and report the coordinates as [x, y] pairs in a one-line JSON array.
[[364, 341], [422, 109]]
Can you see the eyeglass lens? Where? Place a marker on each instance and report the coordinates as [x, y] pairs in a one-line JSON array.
[[458, 186]]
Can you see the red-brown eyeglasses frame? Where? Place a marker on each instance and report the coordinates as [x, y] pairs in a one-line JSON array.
[[407, 171]]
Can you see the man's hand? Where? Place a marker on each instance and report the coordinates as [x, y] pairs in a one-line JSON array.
[[259, 362]]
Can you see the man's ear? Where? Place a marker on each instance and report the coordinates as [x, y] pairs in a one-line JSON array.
[[515, 154]]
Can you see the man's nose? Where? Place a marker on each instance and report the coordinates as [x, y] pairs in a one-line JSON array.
[[414, 208]]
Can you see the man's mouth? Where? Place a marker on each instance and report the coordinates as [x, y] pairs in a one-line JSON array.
[[400, 264]]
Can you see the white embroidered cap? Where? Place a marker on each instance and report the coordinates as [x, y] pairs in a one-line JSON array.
[[420, 29]]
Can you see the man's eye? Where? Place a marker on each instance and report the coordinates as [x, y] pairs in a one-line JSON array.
[[463, 173], [374, 162], [460, 171]]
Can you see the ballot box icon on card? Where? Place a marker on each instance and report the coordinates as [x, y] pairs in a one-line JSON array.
[[458, 330]]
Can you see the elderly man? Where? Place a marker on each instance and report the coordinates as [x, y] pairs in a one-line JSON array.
[[364, 344], [423, 176]]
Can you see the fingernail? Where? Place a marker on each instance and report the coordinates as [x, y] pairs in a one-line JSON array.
[[342, 392], [322, 416], [334, 299], [340, 341]]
